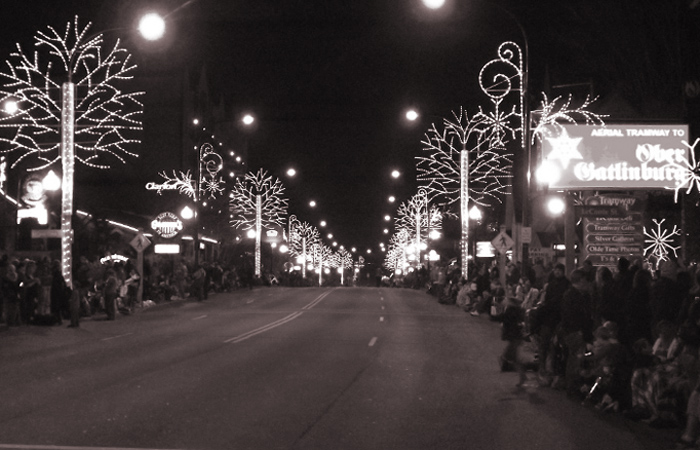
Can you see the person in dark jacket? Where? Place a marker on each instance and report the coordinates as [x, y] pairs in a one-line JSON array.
[[576, 327], [544, 322], [513, 321], [666, 298]]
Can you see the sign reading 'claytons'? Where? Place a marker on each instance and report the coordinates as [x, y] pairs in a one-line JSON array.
[[167, 225]]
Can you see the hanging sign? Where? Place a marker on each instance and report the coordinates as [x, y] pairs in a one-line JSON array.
[[167, 225]]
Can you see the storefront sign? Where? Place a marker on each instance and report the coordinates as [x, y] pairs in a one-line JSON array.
[[617, 156], [615, 231], [167, 225]]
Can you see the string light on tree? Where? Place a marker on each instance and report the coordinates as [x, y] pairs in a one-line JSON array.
[[257, 203], [69, 107]]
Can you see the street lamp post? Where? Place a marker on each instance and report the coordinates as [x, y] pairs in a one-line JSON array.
[[498, 87]]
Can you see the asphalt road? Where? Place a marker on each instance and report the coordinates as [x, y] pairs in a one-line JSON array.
[[283, 368]]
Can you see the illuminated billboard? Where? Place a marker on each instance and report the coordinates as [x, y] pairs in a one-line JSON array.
[[616, 156]]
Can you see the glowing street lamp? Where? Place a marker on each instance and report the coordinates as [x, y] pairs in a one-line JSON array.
[[152, 26]]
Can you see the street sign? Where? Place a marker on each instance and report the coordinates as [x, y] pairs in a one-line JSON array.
[[502, 242], [140, 242]]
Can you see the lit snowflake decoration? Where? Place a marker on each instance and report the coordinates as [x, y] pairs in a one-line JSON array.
[[690, 170], [210, 183], [661, 241]]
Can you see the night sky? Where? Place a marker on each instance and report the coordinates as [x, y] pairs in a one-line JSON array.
[[329, 81]]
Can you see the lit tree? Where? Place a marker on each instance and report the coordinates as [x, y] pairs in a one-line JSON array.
[[466, 161], [342, 259], [302, 237], [69, 107], [323, 257], [257, 203], [396, 254], [418, 218]]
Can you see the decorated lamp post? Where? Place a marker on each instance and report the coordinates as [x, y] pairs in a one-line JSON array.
[[257, 203], [205, 183], [69, 107]]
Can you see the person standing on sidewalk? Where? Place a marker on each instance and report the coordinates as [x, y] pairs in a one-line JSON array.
[[512, 332], [576, 327], [110, 291]]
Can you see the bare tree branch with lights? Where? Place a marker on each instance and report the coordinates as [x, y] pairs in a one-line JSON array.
[[257, 203], [106, 118], [418, 219], [302, 238], [68, 106]]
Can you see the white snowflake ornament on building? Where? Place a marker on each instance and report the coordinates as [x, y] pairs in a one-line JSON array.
[[661, 241]]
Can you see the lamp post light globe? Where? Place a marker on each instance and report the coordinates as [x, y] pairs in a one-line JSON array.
[[152, 26], [434, 4], [248, 119], [51, 181]]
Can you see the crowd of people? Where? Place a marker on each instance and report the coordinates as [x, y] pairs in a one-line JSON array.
[[35, 292], [624, 339]]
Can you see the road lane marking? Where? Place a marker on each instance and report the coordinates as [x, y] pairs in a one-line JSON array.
[[317, 300], [373, 341], [382, 307], [381, 319], [275, 324], [250, 301], [200, 317], [114, 337], [264, 328]]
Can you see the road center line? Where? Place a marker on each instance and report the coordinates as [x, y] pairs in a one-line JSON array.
[[275, 324], [113, 337], [373, 341], [200, 317], [381, 319]]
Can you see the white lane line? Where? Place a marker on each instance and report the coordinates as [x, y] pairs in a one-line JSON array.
[[373, 341], [275, 324], [381, 319], [114, 337], [69, 447], [250, 301], [382, 307], [200, 317]]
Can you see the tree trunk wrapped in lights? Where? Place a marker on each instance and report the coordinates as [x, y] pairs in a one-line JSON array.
[[257, 203], [69, 108], [464, 164]]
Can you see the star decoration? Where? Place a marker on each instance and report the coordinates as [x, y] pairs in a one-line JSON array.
[[564, 148]]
